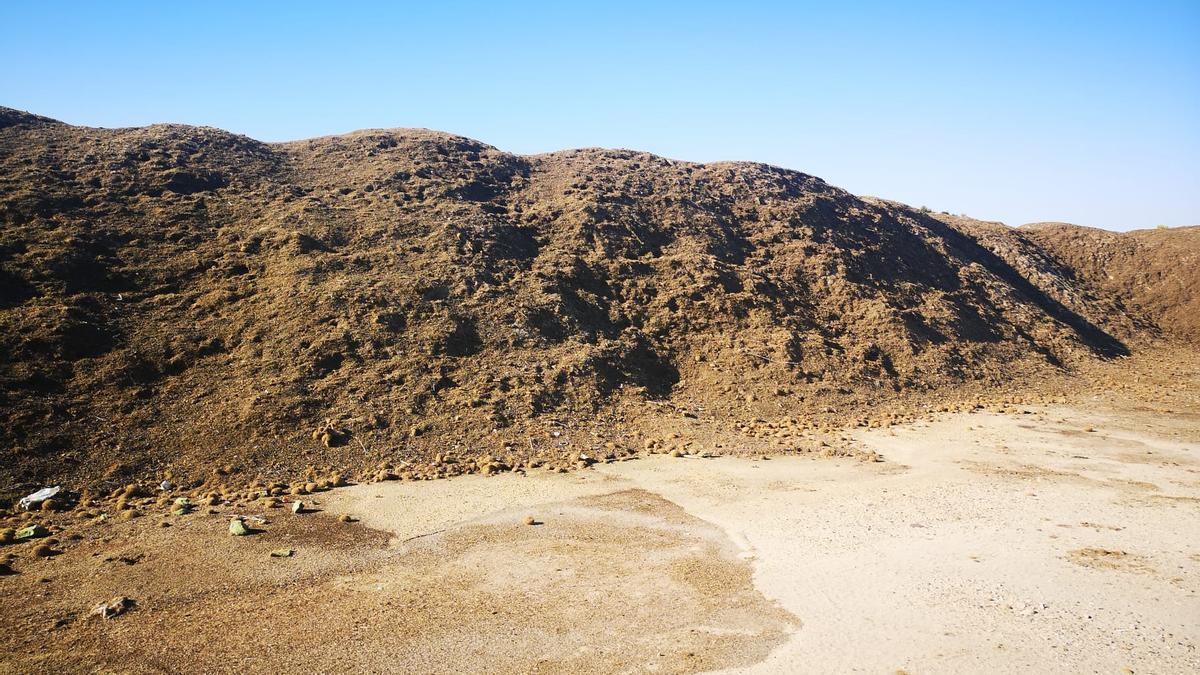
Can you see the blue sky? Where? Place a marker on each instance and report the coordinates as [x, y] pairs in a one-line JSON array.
[[1086, 112]]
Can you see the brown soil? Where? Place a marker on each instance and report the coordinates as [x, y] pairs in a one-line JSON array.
[[564, 595], [1016, 538], [1153, 272], [182, 302]]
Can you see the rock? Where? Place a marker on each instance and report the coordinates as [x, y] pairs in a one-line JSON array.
[[237, 527], [347, 518], [297, 506], [330, 435], [282, 553], [115, 607], [530, 520], [7, 535], [6, 570], [44, 551], [134, 491]]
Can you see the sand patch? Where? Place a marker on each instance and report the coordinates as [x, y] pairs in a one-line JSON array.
[[1103, 558]]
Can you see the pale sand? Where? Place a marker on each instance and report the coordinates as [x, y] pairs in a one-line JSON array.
[[981, 544]]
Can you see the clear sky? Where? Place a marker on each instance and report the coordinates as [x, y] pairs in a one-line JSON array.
[[1085, 112]]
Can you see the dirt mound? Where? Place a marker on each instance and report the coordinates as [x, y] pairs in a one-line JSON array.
[[176, 298], [1155, 273]]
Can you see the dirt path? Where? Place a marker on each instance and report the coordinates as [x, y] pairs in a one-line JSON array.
[[1050, 541]]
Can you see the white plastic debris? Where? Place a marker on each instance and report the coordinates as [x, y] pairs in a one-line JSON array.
[[29, 501]]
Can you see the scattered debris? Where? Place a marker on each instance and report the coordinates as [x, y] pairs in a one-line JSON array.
[[34, 531], [28, 501], [115, 607], [330, 435], [1096, 552]]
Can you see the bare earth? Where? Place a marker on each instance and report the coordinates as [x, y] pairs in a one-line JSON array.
[[1048, 539], [600, 411]]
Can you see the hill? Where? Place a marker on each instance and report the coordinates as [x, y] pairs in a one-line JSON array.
[[174, 299], [1152, 271]]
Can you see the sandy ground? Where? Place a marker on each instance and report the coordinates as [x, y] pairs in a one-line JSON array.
[[1051, 540]]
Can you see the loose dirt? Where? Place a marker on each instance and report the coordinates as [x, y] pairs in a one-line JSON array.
[[689, 417], [1025, 537], [185, 303]]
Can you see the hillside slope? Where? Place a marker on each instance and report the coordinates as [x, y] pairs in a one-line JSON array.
[[180, 298], [1155, 272]]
